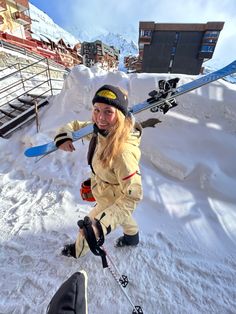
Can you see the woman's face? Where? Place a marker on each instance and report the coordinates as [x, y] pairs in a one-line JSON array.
[[104, 116]]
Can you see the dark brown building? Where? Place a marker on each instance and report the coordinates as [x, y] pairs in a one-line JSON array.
[[176, 48], [98, 52]]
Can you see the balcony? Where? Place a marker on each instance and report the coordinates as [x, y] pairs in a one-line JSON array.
[[22, 5], [145, 40], [205, 55], [3, 5], [22, 18], [145, 36]]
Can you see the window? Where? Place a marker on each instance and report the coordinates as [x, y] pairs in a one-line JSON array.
[[141, 46], [145, 33], [176, 36], [210, 37], [173, 50], [212, 34], [206, 48]]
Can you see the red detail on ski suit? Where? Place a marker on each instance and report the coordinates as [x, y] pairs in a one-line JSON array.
[[129, 176]]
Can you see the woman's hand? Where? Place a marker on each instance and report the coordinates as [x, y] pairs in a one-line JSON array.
[[67, 146]]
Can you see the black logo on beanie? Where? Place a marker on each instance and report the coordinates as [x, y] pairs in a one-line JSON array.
[[113, 96]]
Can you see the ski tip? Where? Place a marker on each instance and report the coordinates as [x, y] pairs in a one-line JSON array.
[[33, 152], [28, 153], [40, 150]]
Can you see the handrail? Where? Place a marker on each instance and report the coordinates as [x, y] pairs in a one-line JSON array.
[[23, 69], [14, 73], [34, 87], [16, 90], [15, 87], [4, 89], [27, 76], [10, 66]]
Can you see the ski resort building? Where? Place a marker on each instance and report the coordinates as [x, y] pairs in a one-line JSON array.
[[175, 48], [98, 52], [14, 17], [15, 29]]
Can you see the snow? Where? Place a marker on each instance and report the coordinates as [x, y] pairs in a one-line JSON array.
[[185, 262], [44, 27]]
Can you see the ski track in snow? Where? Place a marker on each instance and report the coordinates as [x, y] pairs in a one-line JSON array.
[[185, 262], [35, 225]]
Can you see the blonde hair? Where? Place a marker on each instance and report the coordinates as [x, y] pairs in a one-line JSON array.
[[116, 138]]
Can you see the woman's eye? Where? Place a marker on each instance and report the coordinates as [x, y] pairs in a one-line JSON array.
[[107, 112]]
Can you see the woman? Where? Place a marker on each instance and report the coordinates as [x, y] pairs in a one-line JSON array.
[[114, 156]]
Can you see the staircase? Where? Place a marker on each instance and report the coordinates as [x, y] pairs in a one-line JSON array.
[[24, 89]]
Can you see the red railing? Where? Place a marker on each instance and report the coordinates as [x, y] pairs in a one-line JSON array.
[[23, 3], [37, 47], [3, 5], [22, 18]]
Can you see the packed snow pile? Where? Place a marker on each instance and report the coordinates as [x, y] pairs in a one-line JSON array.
[[185, 262]]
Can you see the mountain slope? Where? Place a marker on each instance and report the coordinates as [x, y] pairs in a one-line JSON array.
[[42, 25], [118, 41], [126, 47]]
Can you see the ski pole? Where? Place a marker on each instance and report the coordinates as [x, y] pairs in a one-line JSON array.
[[95, 245], [123, 278], [136, 309]]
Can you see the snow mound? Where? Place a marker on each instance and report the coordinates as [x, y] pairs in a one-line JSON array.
[[186, 258]]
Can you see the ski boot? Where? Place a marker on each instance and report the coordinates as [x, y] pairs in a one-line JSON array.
[[127, 240]]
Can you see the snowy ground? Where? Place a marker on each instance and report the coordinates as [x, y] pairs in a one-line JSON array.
[[186, 261]]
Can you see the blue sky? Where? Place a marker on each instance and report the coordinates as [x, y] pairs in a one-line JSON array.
[[93, 17]]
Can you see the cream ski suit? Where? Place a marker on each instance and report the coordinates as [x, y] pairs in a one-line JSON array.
[[117, 188]]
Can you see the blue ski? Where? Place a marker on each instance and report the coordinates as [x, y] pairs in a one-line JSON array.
[[50, 147], [162, 101]]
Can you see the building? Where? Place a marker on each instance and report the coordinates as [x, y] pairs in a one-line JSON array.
[[98, 52], [14, 17], [15, 28], [133, 64], [176, 48]]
